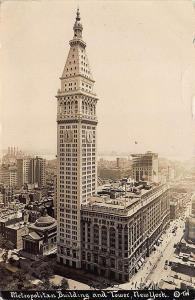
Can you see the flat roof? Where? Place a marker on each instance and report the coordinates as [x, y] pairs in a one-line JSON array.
[[123, 205], [16, 226], [10, 215]]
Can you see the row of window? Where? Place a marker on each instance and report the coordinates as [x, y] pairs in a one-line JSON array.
[[85, 98]]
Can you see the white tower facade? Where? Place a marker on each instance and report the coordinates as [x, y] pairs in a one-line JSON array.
[[76, 147]]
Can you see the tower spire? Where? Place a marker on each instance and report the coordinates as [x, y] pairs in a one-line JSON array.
[[78, 28], [78, 15]]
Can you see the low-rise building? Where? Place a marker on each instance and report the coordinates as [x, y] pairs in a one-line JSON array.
[[41, 239], [118, 234], [9, 217], [14, 233]]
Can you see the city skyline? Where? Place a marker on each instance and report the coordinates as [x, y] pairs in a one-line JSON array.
[[155, 110]]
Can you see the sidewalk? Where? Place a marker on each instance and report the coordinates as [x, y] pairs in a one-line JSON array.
[[144, 273]]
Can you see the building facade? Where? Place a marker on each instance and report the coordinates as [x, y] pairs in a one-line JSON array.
[[8, 175], [174, 210], [41, 239], [9, 217], [118, 234], [4, 175], [8, 195], [145, 167], [23, 171], [13, 176], [31, 171], [190, 222], [15, 232], [76, 147], [37, 171], [55, 197]]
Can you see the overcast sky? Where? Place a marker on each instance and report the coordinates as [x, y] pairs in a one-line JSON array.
[[142, 57]]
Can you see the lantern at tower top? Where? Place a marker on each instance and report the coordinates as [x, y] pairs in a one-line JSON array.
[[78, 27]]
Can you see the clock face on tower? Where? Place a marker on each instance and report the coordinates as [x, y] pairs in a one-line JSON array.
[[89, 136], [68, 136]]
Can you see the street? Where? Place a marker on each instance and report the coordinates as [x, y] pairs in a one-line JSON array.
[[154, 270]]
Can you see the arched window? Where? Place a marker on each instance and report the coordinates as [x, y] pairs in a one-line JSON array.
[[68, 107], [83, 107], [96, 234], [91, 108], [104, 236], [86, 110], [112, 237], [76, 106]]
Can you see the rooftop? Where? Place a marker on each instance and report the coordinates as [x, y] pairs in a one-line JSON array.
[[9, 214], [44, 223], [16, 226], [123, 205], [33, 236]]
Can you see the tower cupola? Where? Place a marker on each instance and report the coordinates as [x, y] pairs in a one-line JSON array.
[[78, 28]]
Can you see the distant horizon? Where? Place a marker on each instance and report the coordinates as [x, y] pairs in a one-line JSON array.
[[101, 154]]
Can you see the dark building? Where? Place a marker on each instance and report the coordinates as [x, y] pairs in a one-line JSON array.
[[37, 171]]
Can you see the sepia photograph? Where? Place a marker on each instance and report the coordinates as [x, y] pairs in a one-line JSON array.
[[97, 149]]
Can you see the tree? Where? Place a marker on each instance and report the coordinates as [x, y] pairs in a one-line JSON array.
[[20, 278], [47, 285], [41, 269], [64, 284], [45, 272]]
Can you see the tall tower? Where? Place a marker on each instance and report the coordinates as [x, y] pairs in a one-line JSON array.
[[76, 147]]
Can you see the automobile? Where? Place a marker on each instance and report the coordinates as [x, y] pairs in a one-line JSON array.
[[165, 267]]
